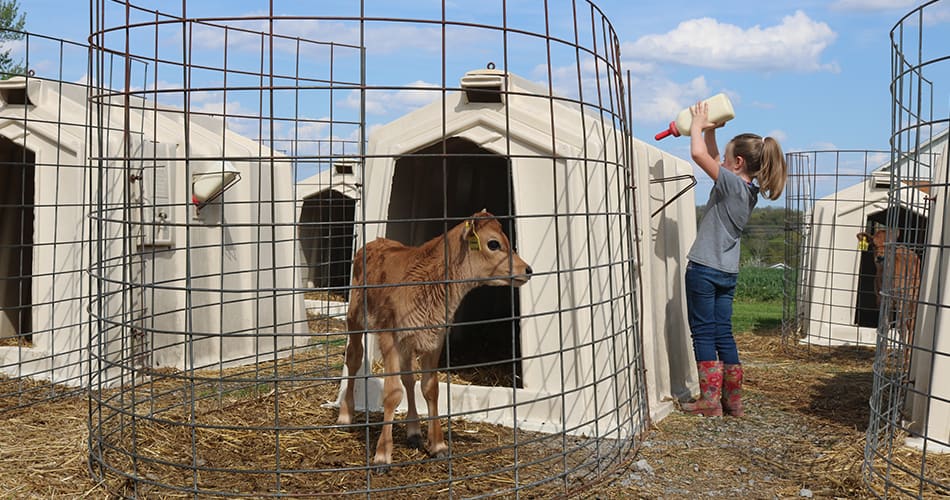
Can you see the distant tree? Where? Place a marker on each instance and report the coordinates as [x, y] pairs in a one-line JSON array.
[[12, 22]]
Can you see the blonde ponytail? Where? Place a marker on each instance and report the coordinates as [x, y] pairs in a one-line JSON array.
[[773, 173], [764, 161]]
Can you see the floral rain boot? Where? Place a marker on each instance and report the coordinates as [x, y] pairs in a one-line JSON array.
[[732, 390], [710, 388]]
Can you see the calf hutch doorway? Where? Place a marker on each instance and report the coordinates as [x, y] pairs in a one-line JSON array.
[[17, 172], [913, 232], [326, 239], [485, 336]]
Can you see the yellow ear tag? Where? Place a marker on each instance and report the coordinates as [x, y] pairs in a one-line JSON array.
[[473, 242], [863, 244]]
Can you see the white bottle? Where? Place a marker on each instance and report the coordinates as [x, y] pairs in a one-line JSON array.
[[719, 111]]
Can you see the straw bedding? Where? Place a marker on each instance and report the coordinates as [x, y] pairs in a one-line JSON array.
[[806, 406]]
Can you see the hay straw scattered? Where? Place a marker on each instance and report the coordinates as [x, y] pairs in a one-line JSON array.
[[227, 431], [324, 295], [807, 408], [16, 341]]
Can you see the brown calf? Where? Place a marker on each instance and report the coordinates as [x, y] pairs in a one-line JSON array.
[[904, 285], [410, 319]]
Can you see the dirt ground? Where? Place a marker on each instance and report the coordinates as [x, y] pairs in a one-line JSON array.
[[802, 437]]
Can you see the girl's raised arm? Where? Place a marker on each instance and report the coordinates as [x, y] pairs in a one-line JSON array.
[[702, 141]]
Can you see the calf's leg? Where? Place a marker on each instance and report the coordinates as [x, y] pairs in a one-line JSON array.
[[430, 389], [354, 358], [413, 430], [392, 395]]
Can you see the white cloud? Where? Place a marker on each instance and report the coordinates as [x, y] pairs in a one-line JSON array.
[[639, 67], [873, 5], [18, 47], [824, 146], [778, 135], [216, 107], [379, 38], [877, 159], [565, 82], [936, 14], [415, 95], [796, 44], [658, 100]]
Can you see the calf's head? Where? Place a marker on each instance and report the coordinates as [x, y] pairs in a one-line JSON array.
[[876, 242], [487, 253]]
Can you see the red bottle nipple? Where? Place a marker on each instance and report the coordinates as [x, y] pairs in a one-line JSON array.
[[668, 132]]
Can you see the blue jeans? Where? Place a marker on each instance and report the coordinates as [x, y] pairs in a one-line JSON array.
[[709, 295]]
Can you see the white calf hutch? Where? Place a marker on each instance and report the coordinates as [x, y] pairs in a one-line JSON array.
[[837, 303], [836, 292], [550, 173], [43, 227], [325, 226], [184, 259], [908, 435], [666, 231], [172, 281], [928, 408]]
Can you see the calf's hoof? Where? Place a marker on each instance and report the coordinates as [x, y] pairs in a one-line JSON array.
[[345, 417], [439, 451], [415, 441], [382, 465]]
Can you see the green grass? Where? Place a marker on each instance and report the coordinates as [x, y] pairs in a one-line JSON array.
[[750, 316], [758, 304], [759, 284]]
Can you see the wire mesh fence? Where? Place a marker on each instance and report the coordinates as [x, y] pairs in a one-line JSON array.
[[866, 245], [44, 246], [181, 206], [836, 201], [238, 163], [908, 439]]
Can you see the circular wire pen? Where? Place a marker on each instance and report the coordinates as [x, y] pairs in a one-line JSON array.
[[239, 163], [867, 250], [835, 201], [908, 439], [186, 197]]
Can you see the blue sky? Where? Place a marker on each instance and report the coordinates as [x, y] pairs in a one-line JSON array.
[[813, 74]]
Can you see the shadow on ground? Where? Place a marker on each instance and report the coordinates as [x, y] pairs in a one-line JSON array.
[[843, 399]]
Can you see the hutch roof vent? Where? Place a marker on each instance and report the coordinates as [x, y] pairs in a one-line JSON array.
[[484, 85], [345, 166], [17, 91]]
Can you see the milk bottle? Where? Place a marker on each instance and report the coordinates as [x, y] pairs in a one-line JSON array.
[[720, 110]]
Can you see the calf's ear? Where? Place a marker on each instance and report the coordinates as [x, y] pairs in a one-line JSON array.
[[470, 234], [886, 234], [863, 242]]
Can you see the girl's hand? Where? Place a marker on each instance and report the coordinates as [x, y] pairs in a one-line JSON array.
[[701, 122]]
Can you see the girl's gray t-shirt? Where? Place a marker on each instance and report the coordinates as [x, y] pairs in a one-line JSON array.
[[728, 210]]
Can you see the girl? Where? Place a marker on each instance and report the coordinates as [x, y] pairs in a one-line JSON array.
[[714, 258]]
